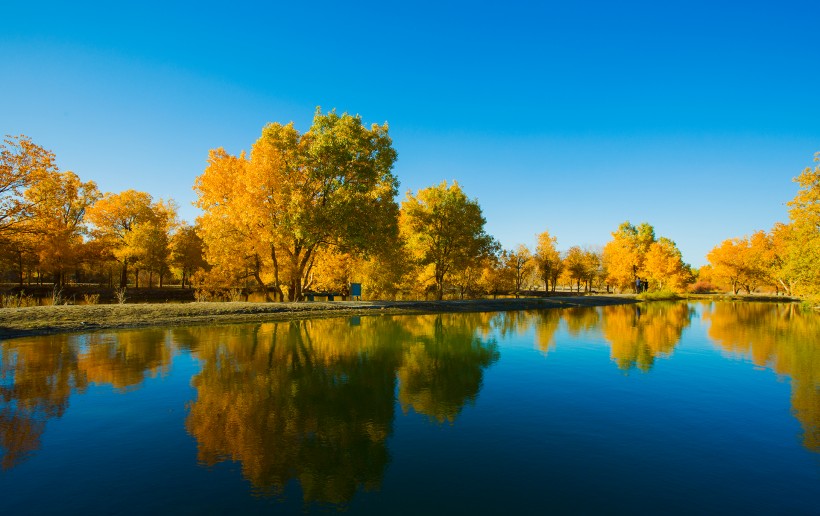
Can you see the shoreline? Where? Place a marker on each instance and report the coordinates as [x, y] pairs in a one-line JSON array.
[[47, 320]]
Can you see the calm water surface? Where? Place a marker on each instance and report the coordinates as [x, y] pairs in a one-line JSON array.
[[625, 409]]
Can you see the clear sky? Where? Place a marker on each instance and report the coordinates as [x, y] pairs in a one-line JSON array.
[[569, 116]]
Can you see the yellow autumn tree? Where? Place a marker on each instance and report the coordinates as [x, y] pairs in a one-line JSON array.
[[233, 243], [786, 257], [783, 250], [664, 267], [547, 260], [495, 277], [727, 262], [59, 201], [624, 255], [575, 266], [520, 265], [444, 230], [22, 164], [187, 252], [386, 274], [148, 243], [299, 195], [115, 217], [744, 263], [804, 213]]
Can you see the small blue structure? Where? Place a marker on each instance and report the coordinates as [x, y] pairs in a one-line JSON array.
[[356, 291]]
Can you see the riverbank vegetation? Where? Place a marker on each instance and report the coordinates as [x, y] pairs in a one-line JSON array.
[[309, 213]]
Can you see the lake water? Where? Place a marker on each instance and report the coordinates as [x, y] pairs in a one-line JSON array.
[[662, 407]]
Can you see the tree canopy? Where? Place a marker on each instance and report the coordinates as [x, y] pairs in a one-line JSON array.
[[298, 195]]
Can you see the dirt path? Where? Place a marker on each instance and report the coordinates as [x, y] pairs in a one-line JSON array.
[[42, 320]]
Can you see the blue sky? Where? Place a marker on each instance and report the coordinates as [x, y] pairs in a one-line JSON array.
[[566, 116]]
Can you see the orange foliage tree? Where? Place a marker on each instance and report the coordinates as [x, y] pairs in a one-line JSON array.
[[22, 163], [126, 225], [625, 254], [58, 203], [664, 267], [296, 196]]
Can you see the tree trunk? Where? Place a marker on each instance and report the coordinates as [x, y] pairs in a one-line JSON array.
[[20, 261], [124, 274], [277, 286], [259, 278]]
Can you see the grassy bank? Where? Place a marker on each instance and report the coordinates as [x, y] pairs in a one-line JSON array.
[[40, 320]]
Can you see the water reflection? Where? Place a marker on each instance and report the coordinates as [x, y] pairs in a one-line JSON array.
[[311, 400], [123, 361], [638, 334], [442, 371], [37, 377], [314, 400], [783, 338], [546, 324]]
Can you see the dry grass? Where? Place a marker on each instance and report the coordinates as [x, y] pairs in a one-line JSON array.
[[15, 322]]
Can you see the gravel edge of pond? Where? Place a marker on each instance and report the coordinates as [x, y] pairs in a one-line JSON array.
[[45, 320]]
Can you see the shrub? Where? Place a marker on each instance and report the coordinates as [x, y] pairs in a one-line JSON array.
[[234, 295], [702, 287], [17, 300], [659, 295]]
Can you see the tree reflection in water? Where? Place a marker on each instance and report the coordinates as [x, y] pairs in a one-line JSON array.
[[783, 338], [38, 375], [314, 400], [640, 333], [36, 379], [442, 371]]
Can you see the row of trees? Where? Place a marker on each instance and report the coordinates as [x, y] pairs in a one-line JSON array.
[[301, 212], [786, 258], [53, 224], [315, 211]]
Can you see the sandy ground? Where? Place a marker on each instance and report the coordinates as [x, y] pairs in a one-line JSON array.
[[41, 320]]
